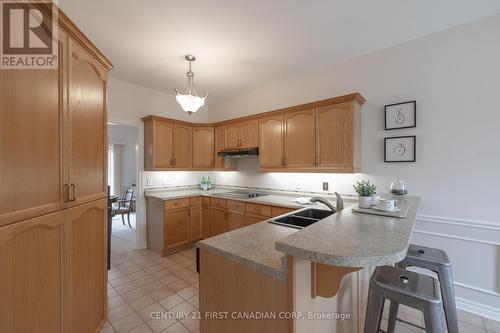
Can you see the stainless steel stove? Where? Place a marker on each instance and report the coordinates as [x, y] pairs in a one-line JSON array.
[[241, 194]]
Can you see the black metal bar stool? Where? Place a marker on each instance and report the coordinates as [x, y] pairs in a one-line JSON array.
[[435, 260], [412, 289]]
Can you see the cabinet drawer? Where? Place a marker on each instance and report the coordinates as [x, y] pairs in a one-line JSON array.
[[277, 210], [234, 205], [176, 203], [195, 201], [252, 219], [205, 201], [258, 209], [216, 202]]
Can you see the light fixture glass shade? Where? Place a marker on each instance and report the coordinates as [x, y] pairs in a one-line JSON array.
[[190, 103]]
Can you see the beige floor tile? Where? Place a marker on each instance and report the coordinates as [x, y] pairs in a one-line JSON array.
[[158, 325], [155, 285], [115, 302], [467, 328], [178, 285], [120, 281], [145, 280], [194, 301], [120, 313], [142, 302], [148, 312], [470, 318], [184, 272], [133, 294], [176, 328], [144, 328], [188, 292], [184, 307], [169, 279], [190, 323], [193, 278], [126, 287], [137, 275], [161, 293], [112, 293], [171, 301], [491, 325], [128, 323], [107, 328], [175, 268]]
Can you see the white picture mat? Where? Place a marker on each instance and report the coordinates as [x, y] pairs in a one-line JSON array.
[[400, 149], [400, 115]]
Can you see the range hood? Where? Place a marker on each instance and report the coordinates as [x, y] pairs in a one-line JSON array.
[[239, 152]]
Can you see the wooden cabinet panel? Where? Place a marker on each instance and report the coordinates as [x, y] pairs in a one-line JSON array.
[[232, 136], [203, 147], [235, 205], [258, 209], [195, 223], [219, 142], [335, 136], [271, 141], [195, 201], [217, 221], [87, 266], [183, 157], [249, 133], [31, 141], [205, 222], [277, 210], [176, 229], [235, 220], [205, 201], [299, 139], [218, 202], [163, 147], [252, 219], [31, 274], [177, 203], [87, 125]]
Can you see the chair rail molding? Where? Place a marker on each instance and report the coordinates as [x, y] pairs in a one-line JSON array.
[[477, 282]]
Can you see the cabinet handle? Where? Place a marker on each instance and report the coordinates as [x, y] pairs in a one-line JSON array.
[[71, 192], [284, 161]]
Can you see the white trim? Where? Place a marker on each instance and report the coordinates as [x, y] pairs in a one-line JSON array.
[[467, 239], [461, 222], [481, 290], [478, 309]]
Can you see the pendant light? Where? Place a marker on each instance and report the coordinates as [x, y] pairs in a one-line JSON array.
[[190, 102]]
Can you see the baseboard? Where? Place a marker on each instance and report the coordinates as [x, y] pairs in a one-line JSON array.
[[478, 309]]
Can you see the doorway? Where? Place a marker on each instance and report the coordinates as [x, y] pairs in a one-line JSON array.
[[122, 181]]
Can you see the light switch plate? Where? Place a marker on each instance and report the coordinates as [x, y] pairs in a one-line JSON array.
[[149, 182], [325, 186]]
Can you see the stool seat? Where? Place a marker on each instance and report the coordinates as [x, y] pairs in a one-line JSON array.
[[407, 285], [429, 255]]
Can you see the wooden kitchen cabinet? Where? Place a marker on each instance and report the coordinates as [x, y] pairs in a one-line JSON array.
[[195, 227], [221, 163], [252, 218], [338, 136], [299, 139], [232, 136], [87, 274], [235, 220], [249, 134], [158, 147], [176, 230], [32, 253], [203, 147], [183, 158], [205, 221], [217, 221], [271, 141]]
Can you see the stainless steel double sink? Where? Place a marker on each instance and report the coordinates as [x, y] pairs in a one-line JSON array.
[[302, 218]]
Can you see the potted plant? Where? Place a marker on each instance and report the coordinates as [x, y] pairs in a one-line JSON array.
[[365, 190]]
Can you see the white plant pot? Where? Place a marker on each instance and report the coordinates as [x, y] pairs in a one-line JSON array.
[[365, 202]]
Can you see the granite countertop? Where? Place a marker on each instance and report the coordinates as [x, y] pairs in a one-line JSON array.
[[345, 239]]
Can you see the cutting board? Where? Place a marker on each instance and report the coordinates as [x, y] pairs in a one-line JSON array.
[[401, 214]]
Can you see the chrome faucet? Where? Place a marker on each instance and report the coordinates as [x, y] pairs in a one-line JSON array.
[[340, 202]]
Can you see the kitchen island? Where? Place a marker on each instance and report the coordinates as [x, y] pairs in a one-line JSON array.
[[271, 278]]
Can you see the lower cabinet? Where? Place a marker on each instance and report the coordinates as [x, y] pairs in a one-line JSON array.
[[194, 223], [252, 219], [205, 221], [176, 231], [217, 221], [31, 274], [87, 273], [235, 220]]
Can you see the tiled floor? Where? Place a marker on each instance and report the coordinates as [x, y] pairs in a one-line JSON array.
[[142, 284]]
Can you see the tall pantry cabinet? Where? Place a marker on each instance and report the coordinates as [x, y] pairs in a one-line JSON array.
[[53, 162]]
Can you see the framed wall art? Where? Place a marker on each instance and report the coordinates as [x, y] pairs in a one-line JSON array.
[[401, 115], [400, 149]]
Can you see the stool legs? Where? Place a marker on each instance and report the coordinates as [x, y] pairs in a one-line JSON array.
[[446, 281], [393, 314], [433, 318], [374, 310]]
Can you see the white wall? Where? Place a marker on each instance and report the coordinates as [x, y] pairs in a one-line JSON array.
[[125, 137], [455, 77]]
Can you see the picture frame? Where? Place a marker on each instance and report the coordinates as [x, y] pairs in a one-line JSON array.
[[400, 115], [400, 149]]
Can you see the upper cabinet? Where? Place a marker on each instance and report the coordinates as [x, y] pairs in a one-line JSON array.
[[203, 147], [321, 136]]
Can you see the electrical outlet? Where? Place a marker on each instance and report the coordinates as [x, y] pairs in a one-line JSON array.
[[325, 186], [149, 182]]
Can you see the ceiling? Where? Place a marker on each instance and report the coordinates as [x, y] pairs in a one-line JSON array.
[[242, 44]]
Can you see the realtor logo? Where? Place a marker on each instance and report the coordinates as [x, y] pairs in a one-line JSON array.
[[28, 33]]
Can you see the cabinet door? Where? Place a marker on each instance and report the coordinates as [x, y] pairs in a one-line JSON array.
[[252, 219], [87, 266], [183, 144], [87, 125], [249, 133], [221, 162], [271, 141], [176, 227], [31, 141], [335, 136], [235, 220], [232, 136], [203, 147], [299, 140], [163, 144], [205, 222], [217, 221], [31, 274], [195, 223]]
